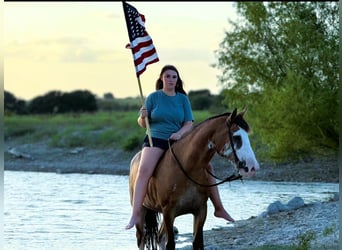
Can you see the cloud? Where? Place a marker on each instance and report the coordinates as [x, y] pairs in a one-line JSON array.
[[186, 54], [79, 54], [65, 49]]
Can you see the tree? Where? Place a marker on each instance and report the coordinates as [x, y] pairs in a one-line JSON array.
[[200, 99], [108, 96], [12, 104], [46, 104], [10, 101], [58, 102], [281, 61], [78, 101]]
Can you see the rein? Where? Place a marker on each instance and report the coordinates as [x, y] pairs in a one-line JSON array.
[[229, 178]]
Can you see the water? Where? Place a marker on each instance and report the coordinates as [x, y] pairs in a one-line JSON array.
[[78, 211]]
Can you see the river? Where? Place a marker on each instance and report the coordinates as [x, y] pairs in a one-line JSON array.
[[79, 211]]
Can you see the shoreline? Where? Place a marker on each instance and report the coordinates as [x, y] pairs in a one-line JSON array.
[[315, 224], [282, 228], [40, 157]]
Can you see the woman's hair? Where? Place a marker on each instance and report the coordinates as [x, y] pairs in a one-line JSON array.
[[179, 84]]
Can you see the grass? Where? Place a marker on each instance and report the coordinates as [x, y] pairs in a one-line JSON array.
[[100, 129]]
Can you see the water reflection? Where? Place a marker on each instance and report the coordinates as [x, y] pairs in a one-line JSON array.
[[77, 211]]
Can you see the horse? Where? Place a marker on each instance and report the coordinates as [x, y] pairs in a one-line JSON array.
[[180, 181]]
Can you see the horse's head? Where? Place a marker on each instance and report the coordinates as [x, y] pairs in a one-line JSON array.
[[238, 147]]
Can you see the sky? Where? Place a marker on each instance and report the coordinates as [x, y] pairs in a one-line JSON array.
[[69, 46]]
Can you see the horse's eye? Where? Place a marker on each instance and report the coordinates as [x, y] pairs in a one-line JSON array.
[[237, 141]]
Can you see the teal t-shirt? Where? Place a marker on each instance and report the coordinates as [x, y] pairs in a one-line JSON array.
[[167, 114]]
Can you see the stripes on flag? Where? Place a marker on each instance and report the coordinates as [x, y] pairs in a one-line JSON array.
[[141, 44]]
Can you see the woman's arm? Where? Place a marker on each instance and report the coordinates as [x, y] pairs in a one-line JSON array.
[[185, 128]]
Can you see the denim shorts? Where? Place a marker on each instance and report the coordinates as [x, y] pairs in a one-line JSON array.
[[157, 142]]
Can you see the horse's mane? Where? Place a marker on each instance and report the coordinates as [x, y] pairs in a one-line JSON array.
[[237, 120]]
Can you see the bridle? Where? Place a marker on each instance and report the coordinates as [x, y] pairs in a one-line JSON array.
[[240, 164]]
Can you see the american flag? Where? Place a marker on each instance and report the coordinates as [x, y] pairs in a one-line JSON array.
[[141, 44]]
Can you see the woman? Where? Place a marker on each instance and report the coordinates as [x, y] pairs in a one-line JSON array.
[[170, 116]]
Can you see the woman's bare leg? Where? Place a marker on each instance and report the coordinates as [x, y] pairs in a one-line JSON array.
[[148, 161], [214, 196]]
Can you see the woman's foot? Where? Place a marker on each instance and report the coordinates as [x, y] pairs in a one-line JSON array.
[[221, 213], [134, 221]]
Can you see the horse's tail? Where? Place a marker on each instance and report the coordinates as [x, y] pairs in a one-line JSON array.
[[151, 229]]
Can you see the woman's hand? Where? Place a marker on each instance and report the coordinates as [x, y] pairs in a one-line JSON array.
[[175, 136], [143, 112], [187, 126], [141, 119]]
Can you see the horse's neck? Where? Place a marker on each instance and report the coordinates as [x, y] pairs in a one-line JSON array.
[[193, 148]]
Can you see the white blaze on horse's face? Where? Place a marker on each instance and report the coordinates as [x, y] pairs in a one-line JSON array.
[[245, 152]]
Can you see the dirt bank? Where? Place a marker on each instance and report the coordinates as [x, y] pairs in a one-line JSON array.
[[314, 225], [41, 157]]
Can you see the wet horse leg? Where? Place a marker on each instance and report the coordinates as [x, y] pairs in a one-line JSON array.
[[168, 231], [161, 237], [199, 220], [140, 233]]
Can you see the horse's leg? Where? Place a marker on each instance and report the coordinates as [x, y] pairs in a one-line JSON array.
[[161, 236], [140, 232], [199, 220], [168, 231]]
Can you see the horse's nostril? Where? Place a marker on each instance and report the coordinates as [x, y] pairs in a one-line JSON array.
[[252, 169], [246, 169], [242, 164]]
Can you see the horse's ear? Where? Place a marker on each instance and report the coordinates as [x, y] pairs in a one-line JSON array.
[[232, 116], [242, 113], [234, 113]]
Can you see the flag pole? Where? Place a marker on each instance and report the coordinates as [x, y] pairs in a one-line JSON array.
[[146, 117], [142, 48]]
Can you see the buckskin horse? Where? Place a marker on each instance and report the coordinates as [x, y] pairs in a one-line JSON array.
[[179, 184]]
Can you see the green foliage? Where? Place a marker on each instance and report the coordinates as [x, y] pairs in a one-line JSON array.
[[132, 142], [329, 230], [69, 130], [200, 100], [281, 62], [122, 104], [57, 102], [97, 130], [13, 105], [30, 127], [201, 115], [69, 139], [305, 239], [292, 121]]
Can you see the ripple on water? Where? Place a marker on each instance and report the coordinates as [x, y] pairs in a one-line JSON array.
[[74, 211]]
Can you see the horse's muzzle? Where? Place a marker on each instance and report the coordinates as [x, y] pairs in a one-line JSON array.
[[244, 170], [242, 165]]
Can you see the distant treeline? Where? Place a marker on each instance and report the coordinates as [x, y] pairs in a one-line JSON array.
[[57, 102]]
